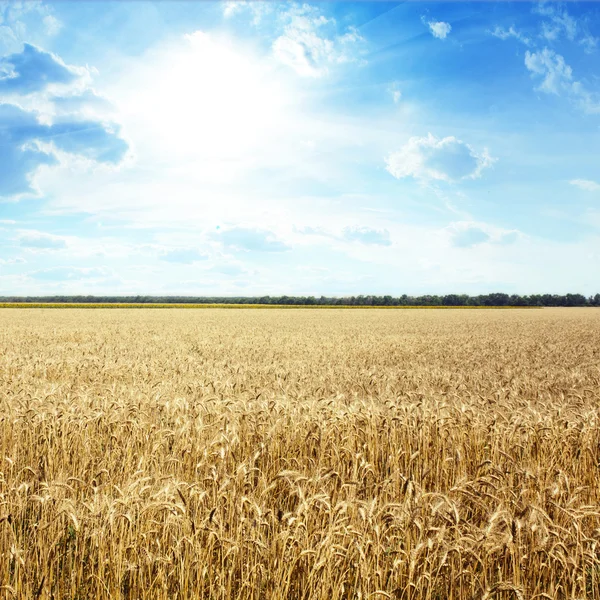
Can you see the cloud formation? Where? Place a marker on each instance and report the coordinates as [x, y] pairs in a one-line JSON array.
[[511, 32], [444, 159], [395, 91], [30, 139], [557, 78], [33, 70], [86, 104], [258, 9], [558, 22], [304, 38], [586, 184], [250, 239], [40, 240], [311, 43], [366, 235], [26, 144], [466, 234], [19, 158], [439, 29], [555, 72], [546, 65], [468, 237], [19, 20], [589, 43]]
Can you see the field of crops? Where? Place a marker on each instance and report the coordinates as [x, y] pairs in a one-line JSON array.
[[294, 454], [247, 306]]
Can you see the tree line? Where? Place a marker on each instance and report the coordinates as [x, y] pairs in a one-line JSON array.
[[494, 299]]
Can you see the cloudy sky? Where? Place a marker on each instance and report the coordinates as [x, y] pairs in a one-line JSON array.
[[245, 148]]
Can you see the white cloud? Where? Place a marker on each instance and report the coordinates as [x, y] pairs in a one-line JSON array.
[[439, 29], [12, 261], [305, 39], [557, 78], [395, 91], [366, 235], [346, 239], [511, 32], [20, 21], [8, 39], [52, 25], [445, 159], [42, 241], [258, 9], [466, 234], [589, 43], [250, 239], [556, 73], [587, 101], [559, 22], [586, 184], [35, 133], [233, 7], [311, 44]]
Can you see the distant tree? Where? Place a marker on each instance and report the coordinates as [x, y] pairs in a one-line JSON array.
[[453, 300], [575, 300]]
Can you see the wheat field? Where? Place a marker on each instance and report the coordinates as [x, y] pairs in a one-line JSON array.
[[248, 454]]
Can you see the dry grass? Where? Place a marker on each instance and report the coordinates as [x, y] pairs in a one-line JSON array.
[[299, 454]]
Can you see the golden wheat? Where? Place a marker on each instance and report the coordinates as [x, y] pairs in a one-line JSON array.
[[247, 306], [299, 454]]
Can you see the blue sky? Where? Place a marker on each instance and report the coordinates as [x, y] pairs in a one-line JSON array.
[[250, 148]]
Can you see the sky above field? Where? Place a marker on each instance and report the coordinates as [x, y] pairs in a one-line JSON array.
[[250, 148]]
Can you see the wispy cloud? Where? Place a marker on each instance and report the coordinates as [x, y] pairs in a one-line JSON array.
[[12, 261], [366, 235], [42, 241], [20, 20], [556, 74], [558, 22], [557, 78], [52, 25], [258, 9], [250, 239], [586, 184], [589, 43], [395, 91], [511, 32], [311, 43], [466, 234]]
